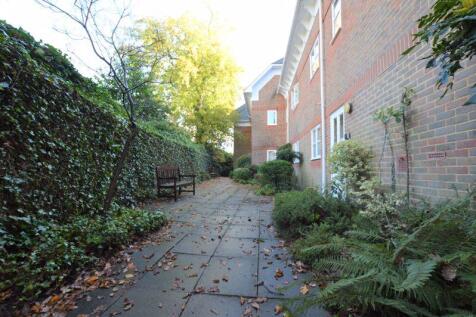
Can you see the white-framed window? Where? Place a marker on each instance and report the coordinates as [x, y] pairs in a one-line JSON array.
[[336, 16], [270, 155], [337, 126], [295, 96], [272, 117], [296, 149], [316, 143], [315, 56]]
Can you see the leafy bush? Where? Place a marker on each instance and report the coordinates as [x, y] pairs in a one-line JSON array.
[[49, 252], [266, 190], [243, 161], [286, 153], [350, 163], [419, 262], [59, 147], [242, 175], [277, 173], [296, 211]]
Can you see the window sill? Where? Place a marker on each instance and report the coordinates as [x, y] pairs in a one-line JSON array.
[[335, 35], [272, 125], [315, 158]]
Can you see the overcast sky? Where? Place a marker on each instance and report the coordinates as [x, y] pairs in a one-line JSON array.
[[255, 31]]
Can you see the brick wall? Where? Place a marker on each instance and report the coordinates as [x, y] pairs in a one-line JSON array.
[[242, 141], [363, 66], [267, 137]]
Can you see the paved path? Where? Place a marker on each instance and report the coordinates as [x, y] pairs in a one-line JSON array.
[[219, 251]]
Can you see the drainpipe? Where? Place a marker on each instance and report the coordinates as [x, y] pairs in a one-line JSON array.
[[323, 112]]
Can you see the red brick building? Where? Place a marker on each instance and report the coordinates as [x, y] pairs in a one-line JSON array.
[[242, 133], [267, 111], [343, 63]]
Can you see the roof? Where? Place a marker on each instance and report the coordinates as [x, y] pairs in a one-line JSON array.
[[304, 16], [244, 114], [272, 70]]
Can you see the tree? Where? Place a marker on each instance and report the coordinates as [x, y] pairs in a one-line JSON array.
[[450, 29], [120, 54], [200, 82]]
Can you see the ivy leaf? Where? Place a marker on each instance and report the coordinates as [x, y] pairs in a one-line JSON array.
[[4, 85]]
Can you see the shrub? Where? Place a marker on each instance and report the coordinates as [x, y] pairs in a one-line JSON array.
[[266, 190], [277, 173], [243, 161], [48, 252], [242, 175], [295, 211], [286, 153], [350, 163], [421, 262]]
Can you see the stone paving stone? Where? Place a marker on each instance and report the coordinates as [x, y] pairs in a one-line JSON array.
[[147, 302], [201, 305], [273, 258], [180, 277], [267, 232], [232, 276], [149, 255], [96, 301], [245, 220], [243, 231], [209, 229], [197, 244], [266, 217], [237, 247]]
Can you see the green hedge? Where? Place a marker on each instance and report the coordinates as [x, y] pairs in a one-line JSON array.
[[58, 147], [59, 141]]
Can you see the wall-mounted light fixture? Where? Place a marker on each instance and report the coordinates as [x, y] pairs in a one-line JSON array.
[[348, 107]]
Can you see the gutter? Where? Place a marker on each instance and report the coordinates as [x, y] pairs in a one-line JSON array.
[[322, 95]]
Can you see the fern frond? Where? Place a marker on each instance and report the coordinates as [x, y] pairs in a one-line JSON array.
[[418, 273]]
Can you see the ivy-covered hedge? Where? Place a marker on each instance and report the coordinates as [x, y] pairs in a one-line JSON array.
[[59, 141], [57, 147]]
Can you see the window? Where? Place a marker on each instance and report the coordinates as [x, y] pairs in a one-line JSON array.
[[336, 16], [272, 117], [316, 143], [315, 57], [296, 149], [270, 155], [295, 96], [337, 126]]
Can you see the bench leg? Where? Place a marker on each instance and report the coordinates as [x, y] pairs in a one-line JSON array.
[[194, 187], [175, 193], [158, 191]]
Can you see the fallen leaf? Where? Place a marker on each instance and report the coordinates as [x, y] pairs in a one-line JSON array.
[[304, 289], [54, 299], [279, 273], [91, 280], [242, 300], [278, 309], [261, 300], [255, 305]]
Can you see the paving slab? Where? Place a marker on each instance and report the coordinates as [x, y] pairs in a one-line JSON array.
[[232, 247], [220, 245], [213, 305], [231, 276], [197, 244], [178, 274]]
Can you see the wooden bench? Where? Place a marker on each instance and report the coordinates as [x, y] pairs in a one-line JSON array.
[[169, 177]]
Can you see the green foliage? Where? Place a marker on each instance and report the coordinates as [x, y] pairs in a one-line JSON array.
[[243, 161], [297, 212], [450, 29], [350, 164], [286, 153], [277, 173], [266, 190], [47, 253], [221, 162], [200, 78], [58, 149], [242, 175], [420, 262]]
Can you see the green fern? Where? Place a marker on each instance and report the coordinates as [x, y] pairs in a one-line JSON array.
[[418, 273]]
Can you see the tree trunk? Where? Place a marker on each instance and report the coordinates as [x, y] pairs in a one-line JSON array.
[[111, 191]]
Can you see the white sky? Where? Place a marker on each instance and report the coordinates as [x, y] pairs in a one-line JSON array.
[[255, 31]]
